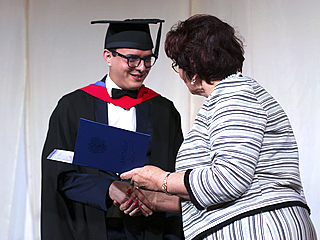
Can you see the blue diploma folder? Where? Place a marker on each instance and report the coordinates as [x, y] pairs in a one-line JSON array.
[[109, 148]]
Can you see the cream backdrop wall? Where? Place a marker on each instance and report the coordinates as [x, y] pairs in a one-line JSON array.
[[48, 48]]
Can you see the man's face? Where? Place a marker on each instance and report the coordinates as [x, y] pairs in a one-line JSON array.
[[122, 75]]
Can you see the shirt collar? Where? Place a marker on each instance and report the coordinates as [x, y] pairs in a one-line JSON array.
[[110, 84]]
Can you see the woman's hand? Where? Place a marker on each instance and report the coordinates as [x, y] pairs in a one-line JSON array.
[[140, 203], [130, 198], [147, 177]]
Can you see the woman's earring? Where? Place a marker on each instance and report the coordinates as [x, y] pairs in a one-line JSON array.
[[193, 81]]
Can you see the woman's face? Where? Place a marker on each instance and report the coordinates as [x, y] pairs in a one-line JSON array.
[[182, 75], [196, 85], [193, 86]]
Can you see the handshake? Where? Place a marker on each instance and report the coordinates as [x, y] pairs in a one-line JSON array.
[[147, 192]]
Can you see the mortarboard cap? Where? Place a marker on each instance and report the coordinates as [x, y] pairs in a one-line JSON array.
[[131, 33]]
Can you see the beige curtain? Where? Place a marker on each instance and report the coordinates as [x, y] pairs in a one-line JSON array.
[[48, 48], [13, 84]]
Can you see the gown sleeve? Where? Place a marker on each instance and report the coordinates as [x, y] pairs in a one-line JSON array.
[[62, 180], [86, 188]]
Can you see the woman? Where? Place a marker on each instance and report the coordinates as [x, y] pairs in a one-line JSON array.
[[237, 170]]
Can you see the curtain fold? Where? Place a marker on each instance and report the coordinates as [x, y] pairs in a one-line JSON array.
[[12, 77]]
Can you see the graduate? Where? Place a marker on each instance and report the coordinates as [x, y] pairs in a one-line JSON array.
[[83, 203]]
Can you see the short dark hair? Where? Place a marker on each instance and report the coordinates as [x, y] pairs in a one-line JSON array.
[[205, 45]]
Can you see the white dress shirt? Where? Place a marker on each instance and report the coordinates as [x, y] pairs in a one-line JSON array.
[[118, 116]]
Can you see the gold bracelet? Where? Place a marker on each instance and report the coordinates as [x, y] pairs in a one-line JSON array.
[[164, 185]]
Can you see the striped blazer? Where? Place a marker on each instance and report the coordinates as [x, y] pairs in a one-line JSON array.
[[240, 158]]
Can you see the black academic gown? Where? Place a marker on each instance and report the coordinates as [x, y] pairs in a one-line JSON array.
[[62, 218]]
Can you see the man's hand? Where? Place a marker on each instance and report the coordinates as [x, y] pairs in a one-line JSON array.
[[160, 202]]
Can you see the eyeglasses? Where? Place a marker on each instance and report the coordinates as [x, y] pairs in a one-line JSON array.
[[134, 61], [175, 67]]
